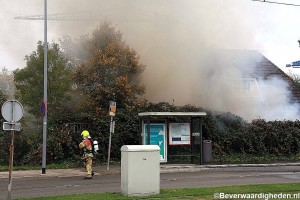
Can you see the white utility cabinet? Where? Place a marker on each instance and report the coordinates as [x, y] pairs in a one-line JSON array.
[[140, 170]]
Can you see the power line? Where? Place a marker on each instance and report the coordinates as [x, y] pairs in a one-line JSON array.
[[276, 2]]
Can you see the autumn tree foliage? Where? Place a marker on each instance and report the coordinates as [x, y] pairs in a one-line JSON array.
[[110, 72]]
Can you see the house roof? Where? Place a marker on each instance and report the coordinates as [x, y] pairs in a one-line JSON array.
[[255, 65]]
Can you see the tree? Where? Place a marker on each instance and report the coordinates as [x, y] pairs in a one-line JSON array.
[[7, 83], [296, 78], [29, 81], [110, 70], [4, 137]]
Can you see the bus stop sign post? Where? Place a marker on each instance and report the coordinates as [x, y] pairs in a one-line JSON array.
[[12, 111], [112, 113]]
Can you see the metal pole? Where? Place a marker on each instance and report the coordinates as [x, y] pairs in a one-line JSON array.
[[140, 131], [109, 143], [148, 130], [11, 160], [45, 90], [201, 142]]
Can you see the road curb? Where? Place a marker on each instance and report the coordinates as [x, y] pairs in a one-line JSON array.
[[288, 167], [164, 168]]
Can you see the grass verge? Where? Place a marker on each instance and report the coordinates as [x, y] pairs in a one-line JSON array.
[[197, 193]]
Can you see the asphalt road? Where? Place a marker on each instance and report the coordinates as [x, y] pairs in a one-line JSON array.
[[24, 187]]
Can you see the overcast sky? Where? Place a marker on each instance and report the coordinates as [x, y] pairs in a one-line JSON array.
[[271, 29]]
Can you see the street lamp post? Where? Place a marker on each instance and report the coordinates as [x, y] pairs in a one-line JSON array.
[[45, 91]]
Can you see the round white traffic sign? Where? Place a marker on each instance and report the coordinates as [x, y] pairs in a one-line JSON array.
[[12, 111]]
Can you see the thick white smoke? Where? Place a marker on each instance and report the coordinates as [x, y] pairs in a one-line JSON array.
[[173, 38], [276, 104]]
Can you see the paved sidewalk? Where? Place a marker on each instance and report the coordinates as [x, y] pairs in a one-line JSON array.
[[164, 168], [99, 170]]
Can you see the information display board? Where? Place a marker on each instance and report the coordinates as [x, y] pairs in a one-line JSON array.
[[179, 134], [157, 137]]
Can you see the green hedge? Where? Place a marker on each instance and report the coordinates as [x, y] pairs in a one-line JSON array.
[[230, 134]]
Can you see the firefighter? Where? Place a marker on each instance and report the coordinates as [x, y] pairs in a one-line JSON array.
[[87, 147]]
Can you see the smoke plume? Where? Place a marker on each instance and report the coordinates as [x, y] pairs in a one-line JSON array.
[[175, 38]]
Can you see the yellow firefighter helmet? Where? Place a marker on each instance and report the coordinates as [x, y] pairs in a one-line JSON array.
[[85, 133]]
